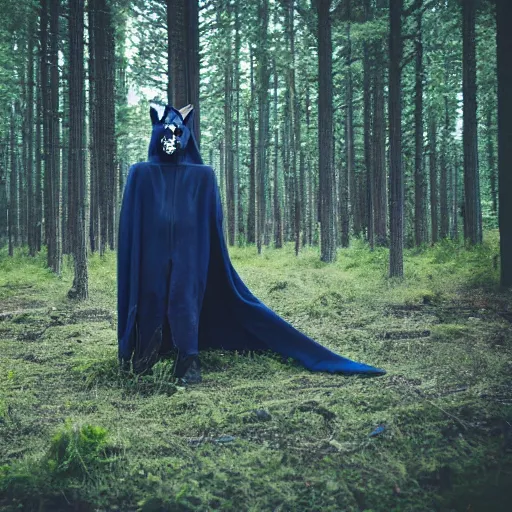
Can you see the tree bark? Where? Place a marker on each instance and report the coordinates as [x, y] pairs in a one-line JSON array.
[[443, 175], [76, 167], [491, 159], [504, 45], [325, 132], [53, 168], [379, 150], [349, 119], [472, 208], [228, 127], [395, 140], [30, 138], [263, 108], [13, 186], [367, 98], [251, 217], [420, 225], [278, 223], [434, 207]]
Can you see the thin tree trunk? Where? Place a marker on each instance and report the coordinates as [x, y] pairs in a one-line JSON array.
[[251, 217], [395, 140], [379, 149], [263, 106], [45, 106], [420, 226], [31, 220], [455, 202], [352, 186], [76, 167], [94, 226], [504, 44], [491, 159], [434, 208], [367, 132], [443, 176], [39, 155], [472, 208], [13, 185], [310, 179], [325, 132], [239, 211], [53, 168], [343, 192], [228, 128], [278, 227]]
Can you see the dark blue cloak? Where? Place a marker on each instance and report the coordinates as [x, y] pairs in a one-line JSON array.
[[177, 287]]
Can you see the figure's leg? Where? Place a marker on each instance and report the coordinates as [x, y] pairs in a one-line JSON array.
[[167, 348], [183, 315]]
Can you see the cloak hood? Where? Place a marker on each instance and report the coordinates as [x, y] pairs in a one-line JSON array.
[[172, 137]]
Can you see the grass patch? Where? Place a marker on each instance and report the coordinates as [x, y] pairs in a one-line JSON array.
[[260, 433]]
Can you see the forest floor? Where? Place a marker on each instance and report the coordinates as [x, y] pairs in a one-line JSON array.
[[434, 434]]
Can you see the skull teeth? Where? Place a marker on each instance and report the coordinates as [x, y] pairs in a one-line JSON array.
[[169, 145]]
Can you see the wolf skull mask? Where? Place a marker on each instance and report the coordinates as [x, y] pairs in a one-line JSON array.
[[171, 131]]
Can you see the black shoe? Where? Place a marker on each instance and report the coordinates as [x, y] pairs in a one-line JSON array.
[[187, 369]]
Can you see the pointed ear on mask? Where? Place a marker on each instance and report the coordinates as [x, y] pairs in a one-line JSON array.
[[154, 115], [189, 118], [166, 111]]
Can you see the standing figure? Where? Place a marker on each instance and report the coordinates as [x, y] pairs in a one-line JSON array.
[[178, 292]]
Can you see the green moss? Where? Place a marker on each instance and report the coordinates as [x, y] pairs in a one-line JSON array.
[[144, 444]]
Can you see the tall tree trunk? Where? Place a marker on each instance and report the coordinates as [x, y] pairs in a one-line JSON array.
[[67, 228], [310, 178], [22, 165], [45, 106], [94, 186], [239, 211], [39, 156], [367, 132], [13, 186], [491, 159], [379, 150], [325, 132], [434, 208], [455, 201], [504, 40], [111, 164], [278, 227], [53, 168], [263, 107], [4, 201], [102, 54], [251, 217], [443, 176], [76, 167], [31, 219], [472, 208], [295, 126], [228, 125], [395, 140], [343, 192], [420, 225], [352, 187], [183, 57]]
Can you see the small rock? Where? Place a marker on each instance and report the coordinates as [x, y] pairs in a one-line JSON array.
[[262, 414]]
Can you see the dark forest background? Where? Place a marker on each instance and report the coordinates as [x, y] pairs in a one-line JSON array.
[[325, 120]]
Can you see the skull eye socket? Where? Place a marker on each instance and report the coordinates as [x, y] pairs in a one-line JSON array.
[[178, 132]]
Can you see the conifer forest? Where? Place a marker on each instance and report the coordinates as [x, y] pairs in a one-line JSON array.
[[363, 154]]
